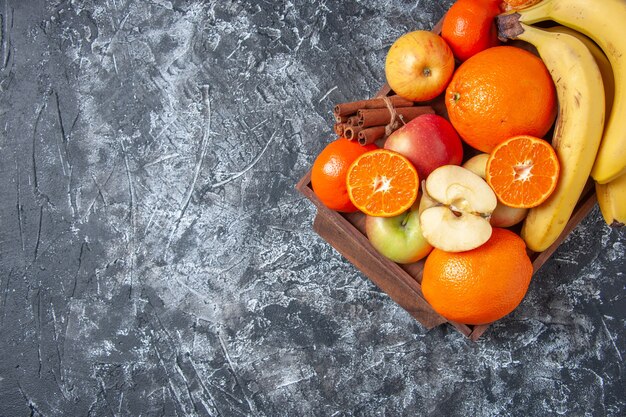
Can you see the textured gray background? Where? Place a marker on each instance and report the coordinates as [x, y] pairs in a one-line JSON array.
[[155, 258]]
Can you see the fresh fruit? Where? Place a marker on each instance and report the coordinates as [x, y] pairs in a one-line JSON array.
[[578, 130], [419, 65], [477, 164], [478, 286], [469, 27], [519, 4], [603, 21], [503, 215], [382, 183], [399, 238], [612, 201], [456, 206], [328, 175], [428, 141], [499, 93], [608, 79], [523, 171]]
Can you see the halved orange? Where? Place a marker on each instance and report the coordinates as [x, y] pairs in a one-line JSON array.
[[382, 183], [523, 171]]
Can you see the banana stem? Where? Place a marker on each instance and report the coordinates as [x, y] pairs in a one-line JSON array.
[[509, 26], [508, 23]]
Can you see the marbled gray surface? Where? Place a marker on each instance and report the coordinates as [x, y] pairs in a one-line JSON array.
[[155, 259]]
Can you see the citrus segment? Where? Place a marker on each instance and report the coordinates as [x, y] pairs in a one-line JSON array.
[[382, 183], [523, 171]]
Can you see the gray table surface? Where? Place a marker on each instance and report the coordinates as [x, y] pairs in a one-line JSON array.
[[155, 259]]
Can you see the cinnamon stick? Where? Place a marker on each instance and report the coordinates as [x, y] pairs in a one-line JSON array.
[[346, 109], [341, 119], [351, 132], [339, 128], [381, 117], [353, 120], [371, 135]]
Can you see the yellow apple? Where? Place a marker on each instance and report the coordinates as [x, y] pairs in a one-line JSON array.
[[503, 215], [419, 65]]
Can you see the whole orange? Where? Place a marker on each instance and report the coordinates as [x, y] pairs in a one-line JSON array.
[[481, 285], [328, 175], [469, 27], [499, 93]]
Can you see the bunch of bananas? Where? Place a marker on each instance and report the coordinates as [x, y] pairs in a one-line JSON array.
[[590, 132]]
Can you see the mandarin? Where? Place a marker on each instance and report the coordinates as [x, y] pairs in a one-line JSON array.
[[499, 93], [469, 27], [481, 285], [523, 171], [328, 175], [382, 183]]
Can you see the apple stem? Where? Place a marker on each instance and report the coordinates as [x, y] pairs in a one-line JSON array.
[[405, 220]]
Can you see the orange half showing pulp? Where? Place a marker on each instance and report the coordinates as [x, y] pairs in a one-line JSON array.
[[523, 171], [382, 183]]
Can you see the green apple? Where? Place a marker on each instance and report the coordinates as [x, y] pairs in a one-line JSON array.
[[503, 215], [398, 238]]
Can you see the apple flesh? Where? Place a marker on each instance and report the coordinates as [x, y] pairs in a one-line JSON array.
[[419, 65], [457, 209], [426, 201], [398, 238], [428, 141], [503, 215]]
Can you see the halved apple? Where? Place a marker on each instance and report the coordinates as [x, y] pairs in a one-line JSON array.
[[503, 215], [457, 208], [426, 201]]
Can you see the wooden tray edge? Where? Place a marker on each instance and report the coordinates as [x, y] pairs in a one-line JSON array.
[[584, 207]]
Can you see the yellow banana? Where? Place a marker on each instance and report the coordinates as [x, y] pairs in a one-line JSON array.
[[578, 130], [611, 196], [603, 21], [603, 63], [612, 201]]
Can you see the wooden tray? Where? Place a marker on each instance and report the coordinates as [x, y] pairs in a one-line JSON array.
[[346, 233]]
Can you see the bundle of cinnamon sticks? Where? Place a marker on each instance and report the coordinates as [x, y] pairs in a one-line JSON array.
[[370, 120]]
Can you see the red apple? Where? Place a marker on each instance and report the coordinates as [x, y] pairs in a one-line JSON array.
[[428, 141]]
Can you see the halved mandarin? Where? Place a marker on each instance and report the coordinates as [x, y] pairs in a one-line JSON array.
[[523, 171], [382, 183]]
